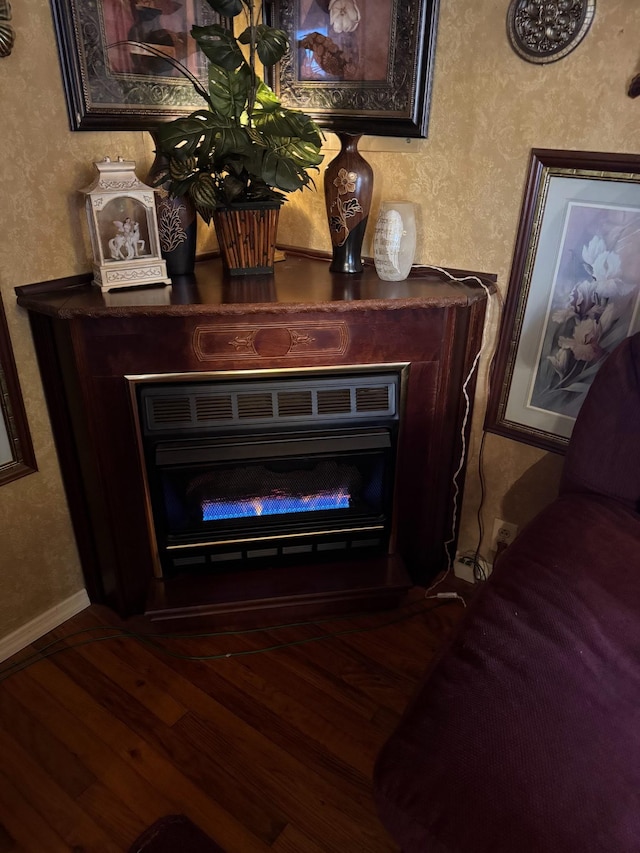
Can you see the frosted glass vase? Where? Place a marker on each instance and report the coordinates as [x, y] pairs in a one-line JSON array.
[[394, 242]]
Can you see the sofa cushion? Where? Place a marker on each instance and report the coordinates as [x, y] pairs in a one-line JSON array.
[[525, 735], [604, 451]]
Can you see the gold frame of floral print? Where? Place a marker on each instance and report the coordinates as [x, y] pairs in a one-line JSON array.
[[14, 428], [534, 397]]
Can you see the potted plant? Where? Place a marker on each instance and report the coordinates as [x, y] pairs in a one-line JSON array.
[[238, 157]]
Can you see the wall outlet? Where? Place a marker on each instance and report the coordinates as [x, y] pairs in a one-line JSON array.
[[503, 533], [463, 568]]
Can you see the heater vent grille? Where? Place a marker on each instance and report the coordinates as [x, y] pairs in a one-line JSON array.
[[335, 401], [185, 406], [171, 410], [372, 399], [218, 408], [255, 406], [295, 404]]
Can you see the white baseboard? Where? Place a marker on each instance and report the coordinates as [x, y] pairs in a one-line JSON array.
[[47, 621]]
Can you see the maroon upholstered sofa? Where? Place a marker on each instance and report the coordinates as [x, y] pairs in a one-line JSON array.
[[524, 736]]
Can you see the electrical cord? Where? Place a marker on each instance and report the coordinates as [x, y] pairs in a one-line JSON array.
[[476, 556], [463, 438], [414, 608]]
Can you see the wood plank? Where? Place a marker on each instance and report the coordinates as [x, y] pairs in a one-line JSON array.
[[237, 756], [315, 711], [209, 774], [62, 813], [324, 684], [293, 840], [241, 747], [156, 701], [7, 843], [348, 668], [260, 689], [97, 757], [56, 759], [112, 814], [330, 811], [156, 769], [24, 823], [271, 751], [396, 650]]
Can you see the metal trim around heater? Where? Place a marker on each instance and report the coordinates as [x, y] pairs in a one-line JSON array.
[[358, 379]]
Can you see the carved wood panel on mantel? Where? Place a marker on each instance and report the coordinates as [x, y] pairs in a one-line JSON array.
[[275, 340]]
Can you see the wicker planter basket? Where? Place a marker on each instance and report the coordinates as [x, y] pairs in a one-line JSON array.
[[247, 238]]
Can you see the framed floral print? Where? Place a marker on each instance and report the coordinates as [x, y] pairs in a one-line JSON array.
[[358, 67], [16, 450], [574, 291], [114, 86]]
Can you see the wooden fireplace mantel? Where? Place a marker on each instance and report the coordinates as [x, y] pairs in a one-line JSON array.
[[303, 316]]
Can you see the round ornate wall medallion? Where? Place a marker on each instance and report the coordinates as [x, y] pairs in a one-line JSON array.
[[546, 30], [7, 34]]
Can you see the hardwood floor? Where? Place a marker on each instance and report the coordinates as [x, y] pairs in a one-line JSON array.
[[269, 751]]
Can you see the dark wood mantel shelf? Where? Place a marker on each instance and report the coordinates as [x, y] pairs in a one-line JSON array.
[[301, 283], [303, 316]]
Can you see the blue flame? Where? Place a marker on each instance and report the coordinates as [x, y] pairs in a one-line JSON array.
[[275, 504]]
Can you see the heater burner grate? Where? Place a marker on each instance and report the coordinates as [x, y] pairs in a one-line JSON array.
[[259, 490], [273, 504]]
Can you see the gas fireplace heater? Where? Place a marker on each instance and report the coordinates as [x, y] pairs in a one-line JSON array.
[[264, 450], [252, 469]]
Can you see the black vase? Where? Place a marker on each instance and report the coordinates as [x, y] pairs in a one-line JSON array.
[[177, 223]]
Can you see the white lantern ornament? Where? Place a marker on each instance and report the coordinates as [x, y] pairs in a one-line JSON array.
[[123, 227]]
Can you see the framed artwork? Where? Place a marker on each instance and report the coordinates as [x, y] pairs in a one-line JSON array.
[[16, 450], [110, 86], [7, 33], [574, 291], [356, 67]]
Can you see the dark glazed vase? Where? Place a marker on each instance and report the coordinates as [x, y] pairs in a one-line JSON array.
[[177, 223], [348, 186]]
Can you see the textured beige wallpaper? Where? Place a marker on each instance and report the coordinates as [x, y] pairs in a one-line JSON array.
[[489, 108], [43, 236]]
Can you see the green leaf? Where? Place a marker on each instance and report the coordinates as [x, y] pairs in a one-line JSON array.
[[219, 46], [233, 187], [179, 188], [229, 90], [304, 127], [288, 123], [267, 98], [305, 154], [230, 140], [271, 44], [280, 172], [204, 193], [181, 138], [226, 8], [235, 165], [275, 124]]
